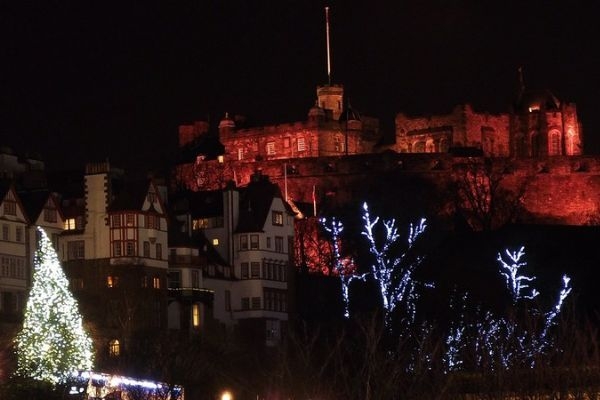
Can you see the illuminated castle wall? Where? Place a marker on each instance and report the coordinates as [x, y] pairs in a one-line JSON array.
[[538, 143], [539, 125]]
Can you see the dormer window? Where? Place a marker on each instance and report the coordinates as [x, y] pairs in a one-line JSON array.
[[70, 224], [277, 218]]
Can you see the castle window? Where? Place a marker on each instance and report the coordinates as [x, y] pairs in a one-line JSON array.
[[286, 142], [419, 147], [301, 144], [271, 148], [554, 143], [240, 153]]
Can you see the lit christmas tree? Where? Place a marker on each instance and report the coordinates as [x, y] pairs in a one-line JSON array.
[[52, 343]]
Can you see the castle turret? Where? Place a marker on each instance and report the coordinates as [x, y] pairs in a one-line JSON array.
[[331, 98], [226, 126]]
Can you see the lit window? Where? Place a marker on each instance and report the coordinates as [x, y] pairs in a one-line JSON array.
[[70, 224], [195, 315], [301, 144], [114, 348], [254, 242], [156, 282], [215, 242], [270, 148], [112, 281], [221, 159], [277, 218]]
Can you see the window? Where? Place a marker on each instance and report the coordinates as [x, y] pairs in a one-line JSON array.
[[245, 303], [200, 223], [70, 224], [256, 303], [152, 222], [228, 300], [211, 270], [116, 247], [130, 248], [196, 315], [286, 142], [254, 242], [275, 300], [112, 281], [215, 242], [10, 207], [226, 272], [301, 144], [254, 270], [195, 279], [130, 219], [268, 242], [279, 244], [144, 282], [19, 234], [158, 251], [76, 250], [244, 242], [151, 197], [240, 153], [114, 348], [147, 249], [156, 282], [5, 232], [174, 279], [116, 220], [50, 214], [270, 148], [277, 218], [244, 270]]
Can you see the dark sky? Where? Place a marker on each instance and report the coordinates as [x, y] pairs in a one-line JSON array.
[[82, 80]]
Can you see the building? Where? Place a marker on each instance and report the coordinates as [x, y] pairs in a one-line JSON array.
[[247, 234], [114, 251]]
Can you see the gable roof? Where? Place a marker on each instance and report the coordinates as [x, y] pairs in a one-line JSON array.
[[255, 204], [35, 201]]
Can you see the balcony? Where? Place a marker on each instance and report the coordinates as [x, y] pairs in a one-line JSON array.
[[192, 294]]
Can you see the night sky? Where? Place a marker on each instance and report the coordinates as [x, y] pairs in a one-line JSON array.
[[84, 81]]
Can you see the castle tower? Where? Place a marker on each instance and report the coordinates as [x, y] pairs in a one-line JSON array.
[[331, 98]]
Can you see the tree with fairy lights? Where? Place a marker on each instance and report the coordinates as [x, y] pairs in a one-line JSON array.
[[52, 343]]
